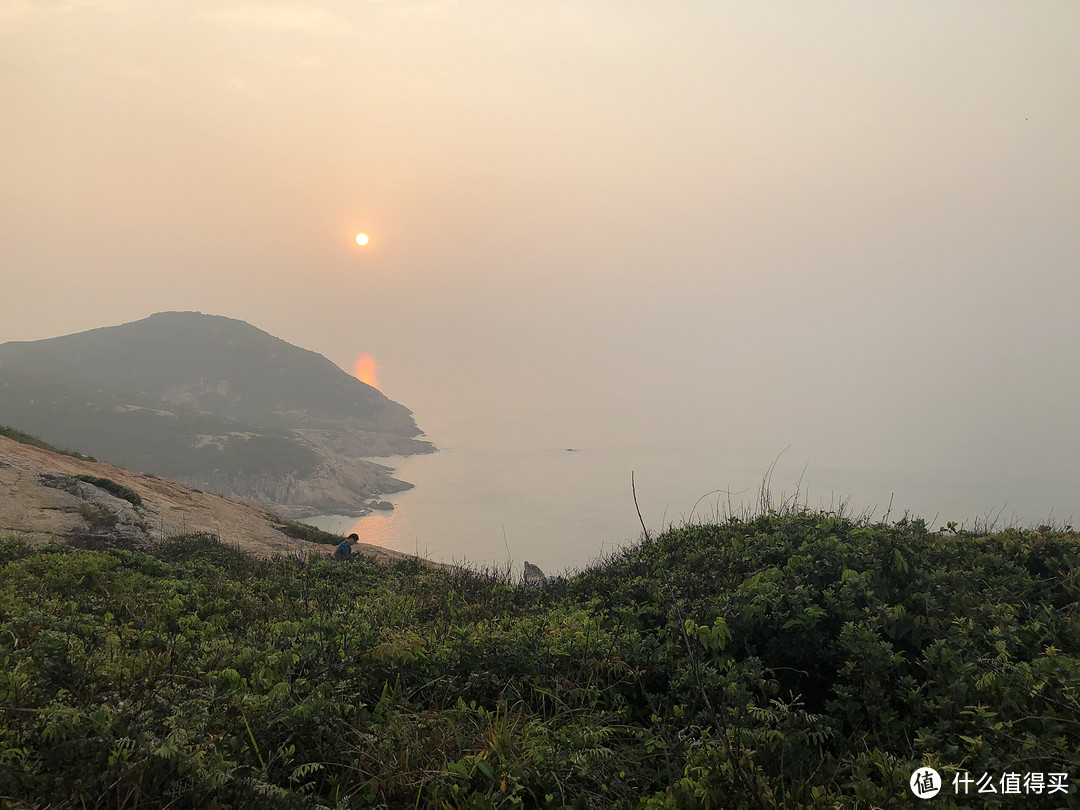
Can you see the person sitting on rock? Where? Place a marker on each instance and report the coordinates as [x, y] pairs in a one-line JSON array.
[[345, 551]]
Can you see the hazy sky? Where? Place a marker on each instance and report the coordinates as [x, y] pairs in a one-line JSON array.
[[851, 227]]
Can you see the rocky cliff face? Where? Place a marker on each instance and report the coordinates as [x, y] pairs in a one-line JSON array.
[[215, 403]]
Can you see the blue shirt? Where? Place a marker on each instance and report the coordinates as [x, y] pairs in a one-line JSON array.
[[343, 551]]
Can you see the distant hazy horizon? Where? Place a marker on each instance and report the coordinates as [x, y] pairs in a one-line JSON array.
[[846, 229]]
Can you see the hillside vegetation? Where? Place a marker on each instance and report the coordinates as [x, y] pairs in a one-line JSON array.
[[34, 441], [789, 660]]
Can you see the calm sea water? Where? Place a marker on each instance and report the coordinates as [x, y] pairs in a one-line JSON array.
[[560, 509], [556, 508]]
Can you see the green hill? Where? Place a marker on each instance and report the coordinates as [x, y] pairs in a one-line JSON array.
[[795, 660], [212, 402], [213, 364]]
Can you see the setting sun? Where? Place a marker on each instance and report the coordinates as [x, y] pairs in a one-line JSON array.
[[362, 239]]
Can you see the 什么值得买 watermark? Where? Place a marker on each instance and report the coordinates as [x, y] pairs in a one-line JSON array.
[[927, 783]]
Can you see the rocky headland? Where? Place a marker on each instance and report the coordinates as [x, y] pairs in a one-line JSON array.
[[216, 404]]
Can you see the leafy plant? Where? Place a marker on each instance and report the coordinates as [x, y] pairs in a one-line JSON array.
[[774, 661]]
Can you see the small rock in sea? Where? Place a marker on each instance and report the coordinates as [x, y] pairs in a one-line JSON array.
[[534, 576], [386, 506]]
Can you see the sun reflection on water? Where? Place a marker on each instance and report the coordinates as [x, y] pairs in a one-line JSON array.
[[385, 529], [367, 370]]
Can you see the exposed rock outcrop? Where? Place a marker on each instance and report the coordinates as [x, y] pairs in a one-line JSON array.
[[42, 499], [534, 576]]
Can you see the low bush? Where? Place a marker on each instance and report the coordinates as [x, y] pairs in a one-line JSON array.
[[304, 531], [34, 441], [784, 661], [113, 488]]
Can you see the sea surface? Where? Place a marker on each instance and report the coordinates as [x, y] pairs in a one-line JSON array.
[[563, 508]]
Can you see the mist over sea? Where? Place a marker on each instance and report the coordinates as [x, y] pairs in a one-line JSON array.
[[561, 508], [677, 237]]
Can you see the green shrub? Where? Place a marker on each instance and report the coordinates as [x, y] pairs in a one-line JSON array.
[[34, 441], [13, 547], [98, 517], [305, 531], [113, 488], [784, 661]]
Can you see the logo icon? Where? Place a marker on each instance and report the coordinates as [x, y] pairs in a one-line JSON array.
[[925, 783]]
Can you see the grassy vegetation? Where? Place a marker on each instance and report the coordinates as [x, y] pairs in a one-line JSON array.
[[305, 531], [98, 518], [113, 488], [34, 441], [788, 660]]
